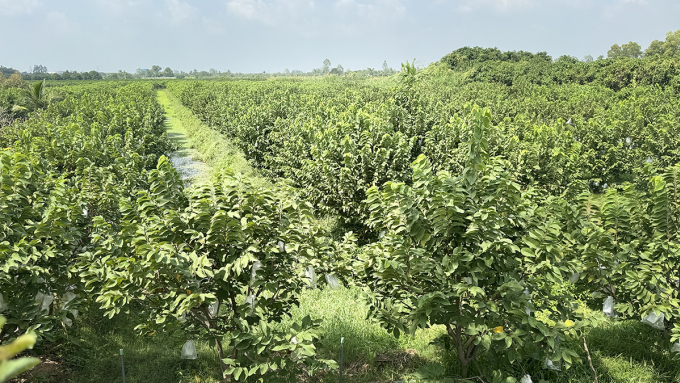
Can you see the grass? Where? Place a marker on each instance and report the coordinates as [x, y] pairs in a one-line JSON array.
[[204, 143], [626, 351]]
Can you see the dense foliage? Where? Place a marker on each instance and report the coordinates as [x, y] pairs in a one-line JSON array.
[[469, 251], [227, 260], [58, 169], [507, 198], [335, 141], [509, 68]]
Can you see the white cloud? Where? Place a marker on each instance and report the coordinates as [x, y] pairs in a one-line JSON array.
[[620, 6], [272, 12], [376, 10], [15, 7], [178, 11], [467, 6], [59, 24], [313, 18], [212, 26], [119, 6]]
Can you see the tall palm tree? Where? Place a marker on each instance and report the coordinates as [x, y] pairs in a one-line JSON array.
[[35, 98]]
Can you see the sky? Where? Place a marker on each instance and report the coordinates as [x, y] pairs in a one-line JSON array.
[[273, 35]]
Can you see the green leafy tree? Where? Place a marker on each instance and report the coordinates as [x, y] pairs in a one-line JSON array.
[[630, 50], [326, 66], [15, 81], [670, 47], [39, 69], [155, 71], [223, 263], [655, 49], [627, 240], [472, 253]]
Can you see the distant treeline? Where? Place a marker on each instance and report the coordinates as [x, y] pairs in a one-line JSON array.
[[625, 66], [40, 73]]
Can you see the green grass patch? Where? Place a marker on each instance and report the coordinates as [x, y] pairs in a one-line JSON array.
[[92, 353], [622, 352], [207, 144]]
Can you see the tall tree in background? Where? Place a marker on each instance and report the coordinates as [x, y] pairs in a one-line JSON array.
[[167, 72], [326, 66], [654, 49], [670, 47], [155, 71], [39, 69], [631, 50], [15, 81]]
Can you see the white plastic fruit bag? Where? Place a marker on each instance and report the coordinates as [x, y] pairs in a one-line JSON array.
[[656, 321], [189, 350], [526, 379], [675, 348], [550, 365], [213, 309], [68, 298], [574, 277], [527, 309], [257, 265], [252, 301], [332, 281], [608, 307], [311, 276], [44, 300], [3, 304]]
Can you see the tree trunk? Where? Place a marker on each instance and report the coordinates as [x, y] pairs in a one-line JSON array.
[[220, 354], [464, 363]]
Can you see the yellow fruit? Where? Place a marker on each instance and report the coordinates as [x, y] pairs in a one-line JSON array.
[[498, 329], [188, 292]]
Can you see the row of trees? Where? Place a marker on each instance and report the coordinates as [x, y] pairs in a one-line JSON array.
[[669, 48], [326, 69], [40, 72]]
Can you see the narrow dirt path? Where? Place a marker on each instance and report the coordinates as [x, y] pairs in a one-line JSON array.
[[186, 159]]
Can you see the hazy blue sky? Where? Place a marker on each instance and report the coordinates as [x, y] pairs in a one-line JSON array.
[[271, 35]]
